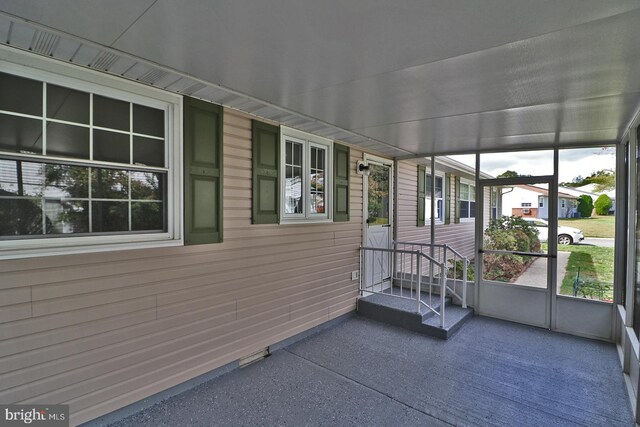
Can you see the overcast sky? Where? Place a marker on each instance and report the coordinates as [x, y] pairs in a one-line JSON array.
[[574, 162]]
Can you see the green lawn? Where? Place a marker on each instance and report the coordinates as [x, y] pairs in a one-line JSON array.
[[596, 269], [596, 226]]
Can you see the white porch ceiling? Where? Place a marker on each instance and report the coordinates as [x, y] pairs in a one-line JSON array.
[[403, 77]]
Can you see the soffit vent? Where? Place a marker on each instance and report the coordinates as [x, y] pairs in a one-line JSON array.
[[44, 43], [152, 76], [104, 61]]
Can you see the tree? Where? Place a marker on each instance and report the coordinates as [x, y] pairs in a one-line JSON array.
[[604, 182], [585, 205], [603, 204], [509, 174]]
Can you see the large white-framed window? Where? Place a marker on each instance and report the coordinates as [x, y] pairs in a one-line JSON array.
[[467, 201], [87, 161], [306, 166], [438, 196]]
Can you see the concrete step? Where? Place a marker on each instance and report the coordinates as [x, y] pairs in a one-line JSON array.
[[454, 317], [403, 313]]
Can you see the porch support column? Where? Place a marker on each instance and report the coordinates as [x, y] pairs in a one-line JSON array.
[[432, 223]]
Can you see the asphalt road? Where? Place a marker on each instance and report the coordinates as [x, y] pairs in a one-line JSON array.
[[598, 241]]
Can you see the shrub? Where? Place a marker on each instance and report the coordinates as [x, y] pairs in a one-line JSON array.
[[456, 268], [603, 204], [585, 206], [511, 233]]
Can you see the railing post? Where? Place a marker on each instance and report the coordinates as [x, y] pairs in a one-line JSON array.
[[464, 282], [444, 262], [443, 293], [361, 272], [419, 262]]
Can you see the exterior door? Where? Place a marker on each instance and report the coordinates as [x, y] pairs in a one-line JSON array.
[[516, 259], [378, 214]]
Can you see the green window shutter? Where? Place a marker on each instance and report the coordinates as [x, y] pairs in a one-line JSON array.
[[341, 173], [421, 198], [202, 172], [457, 201], [265, 207], [447, 198]]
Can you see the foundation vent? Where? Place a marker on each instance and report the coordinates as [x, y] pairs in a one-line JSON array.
[[254, 357]]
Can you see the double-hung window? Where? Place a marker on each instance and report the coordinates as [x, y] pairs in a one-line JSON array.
[[438, 196], [306, 162], [467, 201], [82, 164]]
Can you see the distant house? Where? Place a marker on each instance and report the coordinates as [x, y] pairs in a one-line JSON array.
[[533, 202], [589, 190]]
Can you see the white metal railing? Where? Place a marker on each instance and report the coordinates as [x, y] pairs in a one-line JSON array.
[[400, 273], [457, 266]]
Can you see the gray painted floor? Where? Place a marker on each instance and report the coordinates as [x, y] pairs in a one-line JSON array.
[[363, 373]]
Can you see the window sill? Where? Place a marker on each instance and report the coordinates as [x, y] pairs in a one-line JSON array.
[[9, 251], [290, 221]]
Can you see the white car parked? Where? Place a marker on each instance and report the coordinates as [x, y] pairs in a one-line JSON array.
[[566, 235]]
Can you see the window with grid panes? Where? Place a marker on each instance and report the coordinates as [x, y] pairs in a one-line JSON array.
[[306, 163], [76, 162], [438, 196], [467, 201]]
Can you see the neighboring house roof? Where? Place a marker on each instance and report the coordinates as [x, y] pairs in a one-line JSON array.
[[589, 189], [544, 191], [448, 162]]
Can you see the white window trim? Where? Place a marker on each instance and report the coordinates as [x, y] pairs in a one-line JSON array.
[[427, 199], [308, 140], [68, 75], [471, 184]]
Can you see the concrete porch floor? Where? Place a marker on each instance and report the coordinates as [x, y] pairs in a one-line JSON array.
[[365, 373]]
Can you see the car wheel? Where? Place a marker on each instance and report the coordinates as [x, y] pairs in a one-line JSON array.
[[564, 239]]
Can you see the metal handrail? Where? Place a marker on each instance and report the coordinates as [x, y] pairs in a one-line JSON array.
[[397, 270], [465, 266]]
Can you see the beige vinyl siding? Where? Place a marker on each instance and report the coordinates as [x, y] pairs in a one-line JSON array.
[[103, 330], [460, 236]]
